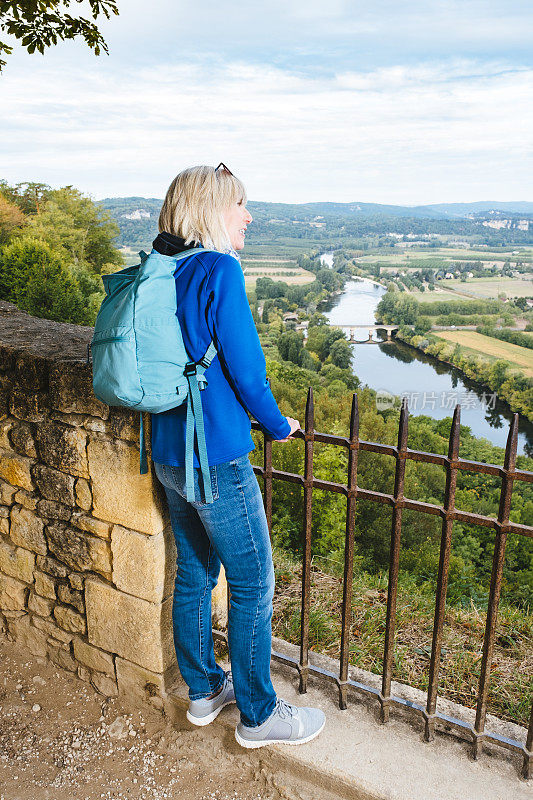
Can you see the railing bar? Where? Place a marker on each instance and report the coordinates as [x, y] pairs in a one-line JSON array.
[[348, 554], [396, 532], [413, 505], [415, 455], [442, 579], [267, 480], [528, 754], [495, 585], [306, 561]]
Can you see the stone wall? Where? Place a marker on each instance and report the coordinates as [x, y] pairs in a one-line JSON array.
[[87, 556]]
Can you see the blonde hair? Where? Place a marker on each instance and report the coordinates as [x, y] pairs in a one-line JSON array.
[[195, 203]]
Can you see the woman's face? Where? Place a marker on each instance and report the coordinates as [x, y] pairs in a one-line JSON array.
[[237, 218]]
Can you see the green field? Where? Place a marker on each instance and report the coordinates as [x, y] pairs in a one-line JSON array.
[[433, 297], [478, 344], [484, 288], [447, 254]]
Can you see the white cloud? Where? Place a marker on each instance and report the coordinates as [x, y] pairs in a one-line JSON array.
[[436, 131]]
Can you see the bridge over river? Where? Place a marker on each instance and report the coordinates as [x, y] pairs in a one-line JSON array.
[[370, 328]]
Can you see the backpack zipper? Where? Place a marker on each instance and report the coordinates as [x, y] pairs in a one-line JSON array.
[[93, 343]]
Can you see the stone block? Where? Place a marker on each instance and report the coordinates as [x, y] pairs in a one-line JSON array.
[[52, 567], [69, 619], [79, 550], [5, 391], [27, 406], [92, 525], [15, 470], [71, 390], [120, 493], [14, 614], [28, 636], [97, 425], [104, 684], [12, 593], [140, 566], [135, 629], [83, 493], [30, 371], [5, 427], [54, 485], [48, 627], [51, 510], [7, 493], [62, 447], [136, 681], [26, 499], [27, 530], [74, 420], [16, 562], [76, 581], [6, 350], [40, 605], [4, 525], [58, 643], [92, 657], [22, 441], [124, 424], [45, 586], [71, 597]]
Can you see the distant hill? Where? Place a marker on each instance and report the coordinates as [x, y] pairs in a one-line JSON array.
[[325, 224], [482, 207]]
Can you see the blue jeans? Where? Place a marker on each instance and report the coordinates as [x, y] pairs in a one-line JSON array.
[[233, 531]]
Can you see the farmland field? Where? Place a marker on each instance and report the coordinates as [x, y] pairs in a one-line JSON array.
[[433, 297], [490, 287], [519, 357], [447, 254], [278, 272]]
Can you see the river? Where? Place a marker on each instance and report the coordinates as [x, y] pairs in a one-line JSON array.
[[431, 387]]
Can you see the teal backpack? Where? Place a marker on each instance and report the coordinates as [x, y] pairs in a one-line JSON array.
[[139, 359]]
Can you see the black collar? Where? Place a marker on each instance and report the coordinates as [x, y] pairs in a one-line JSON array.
[[169, 245]]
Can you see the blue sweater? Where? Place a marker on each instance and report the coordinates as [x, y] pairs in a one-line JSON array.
[[212, 304]]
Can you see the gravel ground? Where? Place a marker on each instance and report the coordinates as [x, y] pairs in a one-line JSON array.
[[61, 740]]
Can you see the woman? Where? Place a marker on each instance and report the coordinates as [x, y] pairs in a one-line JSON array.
[[208, 206]]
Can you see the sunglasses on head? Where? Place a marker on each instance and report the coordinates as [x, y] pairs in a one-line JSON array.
[[224, 167]]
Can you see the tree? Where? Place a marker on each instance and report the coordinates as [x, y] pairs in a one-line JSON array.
[[70, 222], [39, 24], [11, 220], [28, 196], [341, 354], [290, 346], [36, 279]]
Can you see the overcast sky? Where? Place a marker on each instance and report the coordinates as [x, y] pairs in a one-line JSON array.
[[391, 102]]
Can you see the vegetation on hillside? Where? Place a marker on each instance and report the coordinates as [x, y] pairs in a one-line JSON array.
[[54, 247]]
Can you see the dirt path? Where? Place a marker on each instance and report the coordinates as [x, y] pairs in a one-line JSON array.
[[61, 740]]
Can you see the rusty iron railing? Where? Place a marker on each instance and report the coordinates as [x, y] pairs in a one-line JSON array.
[[448, 513]]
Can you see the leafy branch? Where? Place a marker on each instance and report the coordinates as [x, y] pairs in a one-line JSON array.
[[38, 24]]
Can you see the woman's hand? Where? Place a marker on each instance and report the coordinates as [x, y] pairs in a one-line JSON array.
[[295, 426]]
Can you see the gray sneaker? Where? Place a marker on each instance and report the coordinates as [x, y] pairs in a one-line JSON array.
[[203, 711], [287, 724]]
